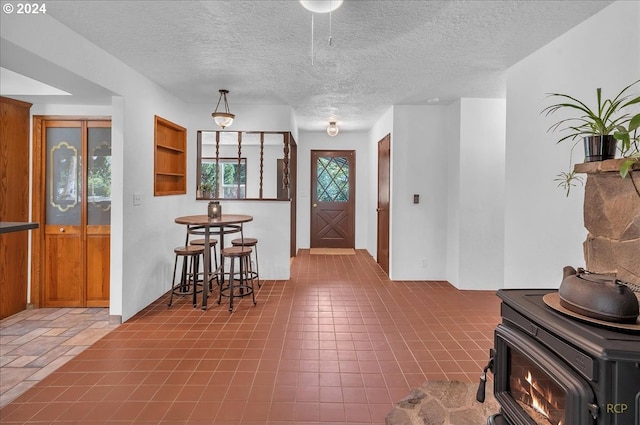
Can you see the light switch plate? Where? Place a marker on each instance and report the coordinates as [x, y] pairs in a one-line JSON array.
[[136, 199]]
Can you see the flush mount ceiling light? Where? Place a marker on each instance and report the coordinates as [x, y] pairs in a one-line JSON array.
[[333, 129], [223, 119], [321, 6]]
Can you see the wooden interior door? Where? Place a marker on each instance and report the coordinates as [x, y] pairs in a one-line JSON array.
[[77, 212], [384, 185], [98, 211], [333, 193]]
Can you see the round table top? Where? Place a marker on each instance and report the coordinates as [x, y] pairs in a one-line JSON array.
[[204, 220]]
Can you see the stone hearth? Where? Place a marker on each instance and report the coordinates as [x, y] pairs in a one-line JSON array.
[[444, 403], [612, 218]]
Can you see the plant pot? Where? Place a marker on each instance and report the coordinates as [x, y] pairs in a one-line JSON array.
[[599, 148]]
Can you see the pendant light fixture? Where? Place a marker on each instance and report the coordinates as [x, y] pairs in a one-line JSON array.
[[321, 6], [223, 119], [333, 129]]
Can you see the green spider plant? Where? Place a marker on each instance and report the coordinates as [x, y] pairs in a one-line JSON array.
[[607, 118], [602, 120]]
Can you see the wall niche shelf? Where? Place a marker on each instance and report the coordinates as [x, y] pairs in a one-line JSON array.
[[170, 169]]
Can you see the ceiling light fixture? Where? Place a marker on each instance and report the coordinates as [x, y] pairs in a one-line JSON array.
[[321, 6], [333, 129], [223, 119]]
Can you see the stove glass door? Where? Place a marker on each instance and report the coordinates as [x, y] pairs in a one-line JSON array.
[[535, 391]]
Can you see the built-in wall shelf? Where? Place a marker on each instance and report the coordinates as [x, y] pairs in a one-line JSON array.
[[170, 170]]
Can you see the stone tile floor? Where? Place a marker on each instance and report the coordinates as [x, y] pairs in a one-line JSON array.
[[34, 343]]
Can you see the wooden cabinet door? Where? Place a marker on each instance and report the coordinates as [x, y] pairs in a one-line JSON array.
[[14, 204], [77, 213]]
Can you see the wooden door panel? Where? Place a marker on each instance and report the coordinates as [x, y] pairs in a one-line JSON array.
[[98, 263], [64, 271], [384, 185], [333, 199], [333, 226]]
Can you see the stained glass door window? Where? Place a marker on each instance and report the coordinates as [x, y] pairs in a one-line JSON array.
[[333, 179]]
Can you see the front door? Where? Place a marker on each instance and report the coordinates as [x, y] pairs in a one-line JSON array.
[[384, 184], [75, 208], [333, 199]]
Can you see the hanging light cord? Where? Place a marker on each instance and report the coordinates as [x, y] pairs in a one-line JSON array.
[[330, 31], [330, 12]]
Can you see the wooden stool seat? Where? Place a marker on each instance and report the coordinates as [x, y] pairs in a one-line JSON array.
[[189, 250], [212, 242], [244, 242], [236, 251]]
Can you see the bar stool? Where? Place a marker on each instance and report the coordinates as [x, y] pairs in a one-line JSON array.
[[242, 286], [250, 242], [213, 243], [189, 280]]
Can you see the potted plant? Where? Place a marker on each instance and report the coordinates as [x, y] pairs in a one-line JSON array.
[[600, 128], [205, 189], [629, 137]]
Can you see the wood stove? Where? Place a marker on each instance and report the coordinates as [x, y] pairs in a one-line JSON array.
[[552, 369]]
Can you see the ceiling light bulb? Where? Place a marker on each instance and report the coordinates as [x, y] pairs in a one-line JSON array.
[[321, 6], [333, 129]]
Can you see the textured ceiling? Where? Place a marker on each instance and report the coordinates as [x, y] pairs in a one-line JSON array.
[[383, 52]]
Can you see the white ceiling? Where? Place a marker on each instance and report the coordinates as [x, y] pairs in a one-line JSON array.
[[383, 52]]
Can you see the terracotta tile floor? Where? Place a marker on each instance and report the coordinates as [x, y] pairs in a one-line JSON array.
[[338, 343]]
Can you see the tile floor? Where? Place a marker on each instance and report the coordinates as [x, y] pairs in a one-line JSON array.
[[34, 343], [338, 343]]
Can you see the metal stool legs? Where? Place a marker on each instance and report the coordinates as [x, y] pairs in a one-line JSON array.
[[251, 243], [189, 277], [243, 285]]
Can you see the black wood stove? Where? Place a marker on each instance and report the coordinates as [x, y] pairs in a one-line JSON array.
[[550, 368]]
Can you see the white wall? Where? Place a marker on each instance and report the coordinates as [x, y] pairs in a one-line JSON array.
[[316, 140], [453, 128], [544, 229], [481, 194], [418, 155]]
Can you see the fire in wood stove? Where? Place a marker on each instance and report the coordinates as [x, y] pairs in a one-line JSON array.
[[536, 392]]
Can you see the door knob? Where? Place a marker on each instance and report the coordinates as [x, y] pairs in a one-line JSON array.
[[62, 230], [315, 205]]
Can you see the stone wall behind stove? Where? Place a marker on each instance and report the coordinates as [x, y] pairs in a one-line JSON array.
[[612, 218]]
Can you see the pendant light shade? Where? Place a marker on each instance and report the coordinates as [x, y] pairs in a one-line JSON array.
[[225, 118], [333, 129], [321, 6]]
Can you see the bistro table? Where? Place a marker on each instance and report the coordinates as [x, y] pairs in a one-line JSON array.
[[225, 224]]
